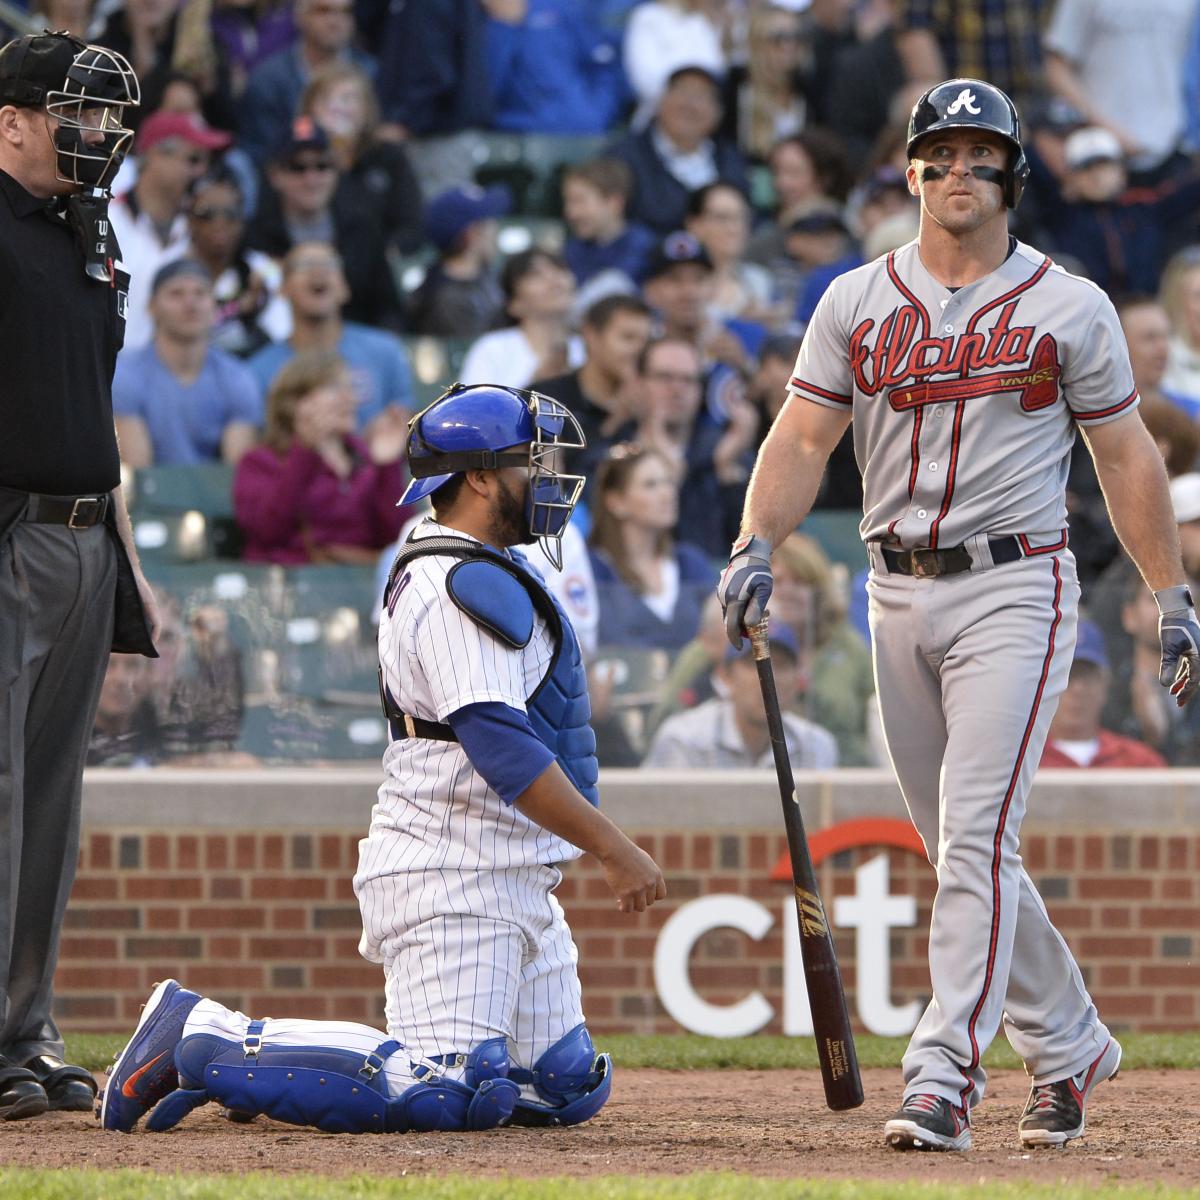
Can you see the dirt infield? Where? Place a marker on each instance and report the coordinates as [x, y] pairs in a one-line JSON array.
[[1143, 1127]]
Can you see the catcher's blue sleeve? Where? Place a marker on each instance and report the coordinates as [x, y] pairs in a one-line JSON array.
[[502, 746]]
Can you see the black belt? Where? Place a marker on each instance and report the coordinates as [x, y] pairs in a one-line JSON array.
[[404, 725], [76, 512], [925, 563]]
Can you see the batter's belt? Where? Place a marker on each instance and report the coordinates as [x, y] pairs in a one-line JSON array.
[[926, 563]]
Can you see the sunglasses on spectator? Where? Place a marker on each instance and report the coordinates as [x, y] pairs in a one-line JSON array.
[[308, 166], [217, 213]]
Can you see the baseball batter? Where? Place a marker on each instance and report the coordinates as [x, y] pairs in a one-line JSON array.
[[490, 785], [967, 362]]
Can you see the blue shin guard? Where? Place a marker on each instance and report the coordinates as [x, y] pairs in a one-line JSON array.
[[337, 1090], [573, 1081]]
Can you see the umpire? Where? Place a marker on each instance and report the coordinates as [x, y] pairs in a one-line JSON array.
[[70, 585]]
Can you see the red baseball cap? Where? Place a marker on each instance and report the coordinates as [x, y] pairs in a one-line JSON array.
[[161, 125]]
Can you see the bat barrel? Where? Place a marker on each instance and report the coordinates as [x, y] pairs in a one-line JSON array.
[[823, 979]]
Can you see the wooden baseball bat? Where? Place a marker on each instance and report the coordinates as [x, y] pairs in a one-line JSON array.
[[826, 996]]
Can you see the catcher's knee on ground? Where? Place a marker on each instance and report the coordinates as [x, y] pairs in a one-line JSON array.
[[572, 1081], [337, 1090]]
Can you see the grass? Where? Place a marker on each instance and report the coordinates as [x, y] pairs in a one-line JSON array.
[[136, 1185], [687, 1052]]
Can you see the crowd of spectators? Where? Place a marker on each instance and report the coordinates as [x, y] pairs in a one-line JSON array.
[[303, 197]]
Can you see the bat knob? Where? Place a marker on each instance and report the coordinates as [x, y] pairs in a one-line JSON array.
[[760, 640]]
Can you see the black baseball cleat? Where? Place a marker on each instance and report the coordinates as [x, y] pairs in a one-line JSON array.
[[927, 1122], [1054, 1112]]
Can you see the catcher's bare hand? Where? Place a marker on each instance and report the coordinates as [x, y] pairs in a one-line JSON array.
[[633, 876]]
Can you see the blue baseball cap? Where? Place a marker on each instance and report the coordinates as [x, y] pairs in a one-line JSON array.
[[1089, 645], [449, 213]]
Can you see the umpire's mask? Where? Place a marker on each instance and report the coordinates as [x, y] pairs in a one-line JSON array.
[[485, 427], [86, 89]]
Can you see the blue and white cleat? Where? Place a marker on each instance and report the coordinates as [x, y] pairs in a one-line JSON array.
[[144, 1072]]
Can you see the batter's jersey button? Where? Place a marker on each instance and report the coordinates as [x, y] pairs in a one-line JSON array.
[[922, 513], [948, 328], [933, 466]]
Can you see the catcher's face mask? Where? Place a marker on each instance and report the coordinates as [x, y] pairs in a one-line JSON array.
[[90, 140], [552, 494]]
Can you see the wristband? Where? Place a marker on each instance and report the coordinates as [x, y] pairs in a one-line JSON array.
[[752, 544], [1174, 599]]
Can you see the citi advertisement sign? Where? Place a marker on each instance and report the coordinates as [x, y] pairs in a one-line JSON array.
[[871, 911]]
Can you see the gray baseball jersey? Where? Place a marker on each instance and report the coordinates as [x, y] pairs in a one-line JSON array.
[[965, 402]]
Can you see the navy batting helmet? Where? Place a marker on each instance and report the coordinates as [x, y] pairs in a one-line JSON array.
[[486, 427], [973, 104]]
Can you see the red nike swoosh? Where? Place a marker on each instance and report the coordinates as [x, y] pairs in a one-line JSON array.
[[128, 1090]]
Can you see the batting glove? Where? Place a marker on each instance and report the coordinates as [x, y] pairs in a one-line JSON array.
[[1179, 635], [746, 585]]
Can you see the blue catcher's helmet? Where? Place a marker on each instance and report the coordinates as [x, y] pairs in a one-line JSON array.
[[485, 427]]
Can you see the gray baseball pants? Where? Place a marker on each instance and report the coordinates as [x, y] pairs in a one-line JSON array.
[[56, 622], [968, 671]]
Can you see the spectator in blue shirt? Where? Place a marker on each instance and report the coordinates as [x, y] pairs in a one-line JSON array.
[[600, 240], [178, 400], [821, 241], [552, 70], [315, 287], [325, 31]]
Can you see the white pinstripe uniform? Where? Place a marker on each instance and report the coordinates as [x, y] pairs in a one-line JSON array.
[[965, 405], [454, 885]]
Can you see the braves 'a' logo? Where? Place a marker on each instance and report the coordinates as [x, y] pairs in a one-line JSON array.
[[964, 100], [901, 362]]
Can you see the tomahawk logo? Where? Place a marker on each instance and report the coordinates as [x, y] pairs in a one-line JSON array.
[[870, 910], [964, 99]]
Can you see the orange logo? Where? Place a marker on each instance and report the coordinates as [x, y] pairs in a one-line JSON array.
[[869, 831], [129, 1091]]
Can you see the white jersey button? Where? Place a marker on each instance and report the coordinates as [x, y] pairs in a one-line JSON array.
[[948, 328], [922, 513], [933, 466], [940, 411]]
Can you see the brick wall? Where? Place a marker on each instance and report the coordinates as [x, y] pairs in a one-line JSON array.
[[267, 922]]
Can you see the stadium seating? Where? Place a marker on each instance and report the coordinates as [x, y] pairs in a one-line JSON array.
[[435, 363], [531, 166], [837, 531], [637, 676]]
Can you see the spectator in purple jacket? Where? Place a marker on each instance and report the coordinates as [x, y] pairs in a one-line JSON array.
[[250, 31], [313, 491]]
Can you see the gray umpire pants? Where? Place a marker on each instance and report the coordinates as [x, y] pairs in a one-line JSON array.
[[57, 587]]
